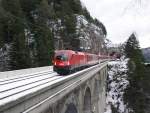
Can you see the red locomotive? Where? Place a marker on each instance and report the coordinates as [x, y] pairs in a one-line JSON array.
[[67, 61]]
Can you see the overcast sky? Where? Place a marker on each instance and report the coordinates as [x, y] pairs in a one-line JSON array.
[[122, 17]]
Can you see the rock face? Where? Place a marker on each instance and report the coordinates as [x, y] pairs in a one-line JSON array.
[[146, 53], [88, 36], [117, 83]]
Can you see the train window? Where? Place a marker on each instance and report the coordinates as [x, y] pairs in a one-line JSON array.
[[62, 57]]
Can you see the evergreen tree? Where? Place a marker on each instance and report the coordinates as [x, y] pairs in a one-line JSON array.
[[43, 36], [14, 32], [76, 6], [132, 48], [98, 23], [134, 94], [1, 29], [87, 15]]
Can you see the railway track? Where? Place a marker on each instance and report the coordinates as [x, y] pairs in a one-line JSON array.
[[13, 88]]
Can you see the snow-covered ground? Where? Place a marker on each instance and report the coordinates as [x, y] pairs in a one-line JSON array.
[[24, 72], [117, 83]]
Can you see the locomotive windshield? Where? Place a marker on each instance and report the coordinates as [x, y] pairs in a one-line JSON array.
[[62, 57]]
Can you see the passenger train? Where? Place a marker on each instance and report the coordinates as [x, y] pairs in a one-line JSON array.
[[68, 61]]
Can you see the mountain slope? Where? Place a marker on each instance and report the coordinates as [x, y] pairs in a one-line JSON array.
[[31, 30], [146, 53]]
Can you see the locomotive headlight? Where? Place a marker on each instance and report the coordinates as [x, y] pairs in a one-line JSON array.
[[68, 63]]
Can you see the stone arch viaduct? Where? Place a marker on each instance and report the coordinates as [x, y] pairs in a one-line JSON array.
[[83, 92]]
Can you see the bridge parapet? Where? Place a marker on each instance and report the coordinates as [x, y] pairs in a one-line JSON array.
[[81, 92]]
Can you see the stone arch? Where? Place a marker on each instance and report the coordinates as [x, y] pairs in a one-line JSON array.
[[70, 104], [49, 110], [71, 108], [87, 105]]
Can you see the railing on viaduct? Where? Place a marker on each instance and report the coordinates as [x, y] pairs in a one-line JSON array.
[[47, 92]]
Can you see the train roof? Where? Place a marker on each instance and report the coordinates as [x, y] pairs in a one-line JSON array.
[[62, 51], [69, 51]]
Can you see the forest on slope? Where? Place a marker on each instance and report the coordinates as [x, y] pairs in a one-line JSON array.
[[31, 30]]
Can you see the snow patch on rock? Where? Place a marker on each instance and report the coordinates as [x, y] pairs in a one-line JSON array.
[[117, 83]]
